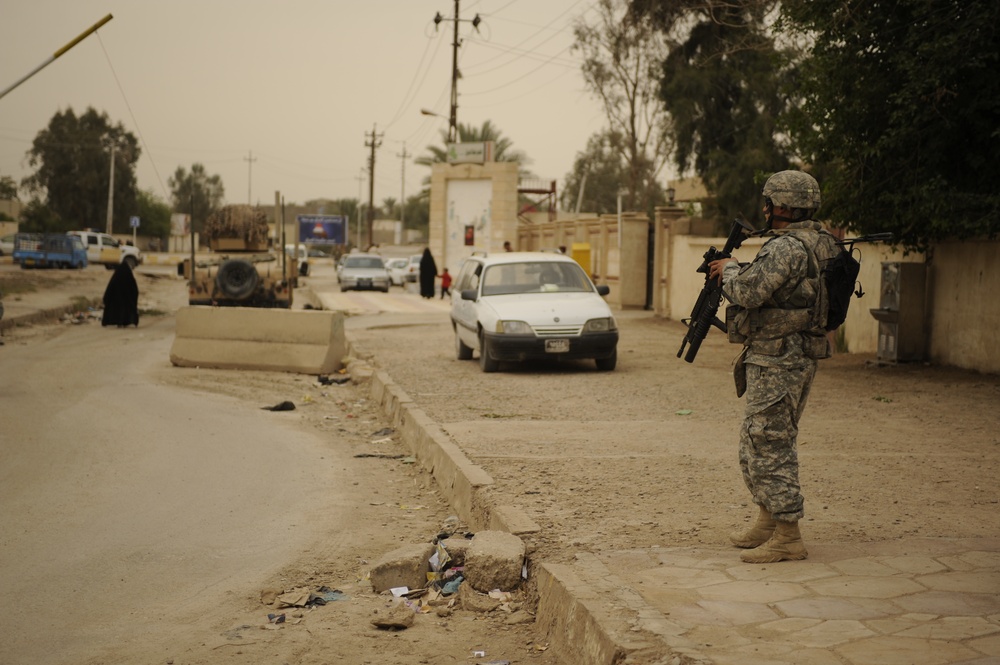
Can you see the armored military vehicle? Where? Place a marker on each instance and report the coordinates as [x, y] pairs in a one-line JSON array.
[[242, 271]]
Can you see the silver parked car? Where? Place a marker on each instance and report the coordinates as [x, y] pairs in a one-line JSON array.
[[364, 271]]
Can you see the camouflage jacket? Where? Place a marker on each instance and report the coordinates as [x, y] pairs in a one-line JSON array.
[[776, 297]]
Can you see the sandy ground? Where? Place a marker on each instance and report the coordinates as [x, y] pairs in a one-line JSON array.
[[156, 547]]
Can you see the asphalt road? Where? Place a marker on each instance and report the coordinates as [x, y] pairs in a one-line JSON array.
[[132, 508]]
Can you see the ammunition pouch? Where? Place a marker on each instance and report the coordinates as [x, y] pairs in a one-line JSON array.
[[816, 345]]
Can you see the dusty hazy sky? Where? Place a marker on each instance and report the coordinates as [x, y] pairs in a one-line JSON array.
[[298, 83]]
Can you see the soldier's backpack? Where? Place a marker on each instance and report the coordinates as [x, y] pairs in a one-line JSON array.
[[840, 275], [838, 270]]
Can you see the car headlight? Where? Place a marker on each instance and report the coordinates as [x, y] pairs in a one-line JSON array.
[[601, 325], [514, 328]]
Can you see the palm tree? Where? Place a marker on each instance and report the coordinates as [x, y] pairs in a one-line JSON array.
[[503, 150]]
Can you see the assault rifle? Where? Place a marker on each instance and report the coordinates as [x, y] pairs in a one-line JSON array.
[[703, 316]]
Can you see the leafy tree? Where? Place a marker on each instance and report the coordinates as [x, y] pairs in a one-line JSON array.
[[600, 171], [418, 212], [196, 193], [72, 157], [36, 217], [154, 214], [389, 207], [8, 188], [622, 54], [722, 84], [902, 108], [503, 147]]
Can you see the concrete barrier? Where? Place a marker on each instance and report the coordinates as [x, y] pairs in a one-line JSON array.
[[303, 341]]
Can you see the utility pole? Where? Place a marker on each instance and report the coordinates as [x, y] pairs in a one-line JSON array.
[[361, 181], [111, 190], [250, 160], [402, 192], [372, 141], [456, 42]]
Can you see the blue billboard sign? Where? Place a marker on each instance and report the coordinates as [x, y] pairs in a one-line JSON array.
[[322, 229]]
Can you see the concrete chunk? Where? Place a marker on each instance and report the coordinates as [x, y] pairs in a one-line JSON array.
[[407, 566], [494, 561]]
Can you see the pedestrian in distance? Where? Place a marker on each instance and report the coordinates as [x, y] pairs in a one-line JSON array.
[[428, 273], [445, 283], [121, 299], [507, 247], [778, 318]]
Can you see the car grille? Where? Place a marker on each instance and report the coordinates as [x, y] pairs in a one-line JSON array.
[[557, 331]]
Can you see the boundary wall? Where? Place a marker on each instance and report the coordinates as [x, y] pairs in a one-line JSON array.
[[961, 315]]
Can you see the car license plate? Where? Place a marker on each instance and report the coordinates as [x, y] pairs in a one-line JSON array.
[[556, 346], [364, 282]]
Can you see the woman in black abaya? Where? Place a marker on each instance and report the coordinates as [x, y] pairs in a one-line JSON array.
[[428, 271], [121, 299]]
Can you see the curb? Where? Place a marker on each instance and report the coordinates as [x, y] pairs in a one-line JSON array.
[[582, 618]]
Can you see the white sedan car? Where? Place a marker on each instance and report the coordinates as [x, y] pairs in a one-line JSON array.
[[364, 271], [397, 271], [517, 306]]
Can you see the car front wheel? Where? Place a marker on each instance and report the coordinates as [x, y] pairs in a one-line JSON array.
[[486, 362]]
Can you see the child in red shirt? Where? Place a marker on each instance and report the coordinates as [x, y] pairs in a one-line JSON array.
[[445, 283]]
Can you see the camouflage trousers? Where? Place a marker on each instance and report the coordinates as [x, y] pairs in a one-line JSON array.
[[769, 458]]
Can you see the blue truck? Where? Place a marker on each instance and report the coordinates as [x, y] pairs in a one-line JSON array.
[[49, 250]]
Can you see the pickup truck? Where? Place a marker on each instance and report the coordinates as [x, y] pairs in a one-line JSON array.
[[48, 250], [107, 250]]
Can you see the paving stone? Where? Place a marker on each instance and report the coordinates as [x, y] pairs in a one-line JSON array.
[[757, 592], [865, 587], [831, 633], [712, 637], [969, 582], [989, 646], [684, 578], [915, 564], [955, 563], [953, 628], [740, 613], [863, 567], [981, 559], [789, 625], [951, 604], [891, 650], [826, 609]]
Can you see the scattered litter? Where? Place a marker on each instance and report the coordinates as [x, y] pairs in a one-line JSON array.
[[387, 439], [684, 412], [276, 618], [451, 586], [479, 654], [385, 431], [281, 406], [497, 662], [399, 591], [334, 380], [304, 597], [380, 455], [409, 460]]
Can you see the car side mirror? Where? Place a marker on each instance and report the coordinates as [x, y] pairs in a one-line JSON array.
[[603, 290], [469, 294]]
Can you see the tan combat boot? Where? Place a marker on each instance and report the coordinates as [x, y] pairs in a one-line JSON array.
[[784, 545], [756, 535]]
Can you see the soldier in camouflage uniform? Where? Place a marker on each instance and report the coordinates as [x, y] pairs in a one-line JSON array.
[[780, 318]]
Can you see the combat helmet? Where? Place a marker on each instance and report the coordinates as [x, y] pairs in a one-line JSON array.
[[792, 189]]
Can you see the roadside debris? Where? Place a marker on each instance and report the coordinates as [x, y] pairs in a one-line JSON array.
[[333, 380], [281, 406]]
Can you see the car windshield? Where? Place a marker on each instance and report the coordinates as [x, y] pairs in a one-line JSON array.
[[534, 277], [364, 262]]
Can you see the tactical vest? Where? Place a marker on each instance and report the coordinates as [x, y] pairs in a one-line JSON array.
[[803, 310]]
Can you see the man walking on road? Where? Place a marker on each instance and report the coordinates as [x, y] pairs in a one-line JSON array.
[[780, 322]]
